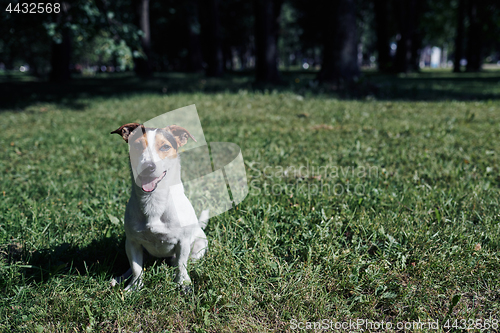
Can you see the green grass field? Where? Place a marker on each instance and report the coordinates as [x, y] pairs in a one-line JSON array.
[[381, 208]]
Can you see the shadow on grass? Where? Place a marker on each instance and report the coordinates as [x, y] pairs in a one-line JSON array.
[[103, 256], [437, 86], [18, 94]]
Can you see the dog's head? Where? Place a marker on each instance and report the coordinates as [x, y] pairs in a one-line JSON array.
[[153, 151]]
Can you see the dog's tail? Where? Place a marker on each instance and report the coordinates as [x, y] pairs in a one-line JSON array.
[[203, 219]]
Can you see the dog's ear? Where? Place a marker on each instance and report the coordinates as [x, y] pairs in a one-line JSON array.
[[180, 134], [125, 130]]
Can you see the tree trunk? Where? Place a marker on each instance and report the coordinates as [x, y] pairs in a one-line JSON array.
[[34, 68], [383, 44], [340, 42], [61, 52], [60, 59], [266, 29], [143, 64], [416, 46], [475, 39], [404, 45], [195, 55], [215, 66], [228, 57], [242, 53], [459, 38]]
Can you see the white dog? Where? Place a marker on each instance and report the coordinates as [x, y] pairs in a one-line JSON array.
[[159, 217]]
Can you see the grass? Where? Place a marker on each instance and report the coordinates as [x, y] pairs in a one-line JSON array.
[[383, 208]]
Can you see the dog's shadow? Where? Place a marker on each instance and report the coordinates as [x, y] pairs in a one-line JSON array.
[[103, 256]]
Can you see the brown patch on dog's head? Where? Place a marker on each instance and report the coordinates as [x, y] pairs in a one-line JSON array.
[[180, 134], [168, 139], [126, 129], [138, 140]]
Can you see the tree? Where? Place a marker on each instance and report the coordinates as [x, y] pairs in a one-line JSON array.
[[266, 29], [475, 37], [215, 67], [143, 63], [237, 30], [23, 42], [407, 57], [459, 37], [61, 47], [340, 42], [483, 32], [60, 58], [52, 40], [381, 29], [195, 58]]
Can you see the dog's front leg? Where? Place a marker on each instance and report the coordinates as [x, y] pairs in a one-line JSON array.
[[135, 257], [181, 258]]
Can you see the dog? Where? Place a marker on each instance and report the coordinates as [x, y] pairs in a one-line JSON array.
[[159, 217]]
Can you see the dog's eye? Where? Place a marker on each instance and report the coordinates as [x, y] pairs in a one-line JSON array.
[[165, 148]]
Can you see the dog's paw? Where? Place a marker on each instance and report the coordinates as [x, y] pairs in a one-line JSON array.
[[134, 286], [185, 289]]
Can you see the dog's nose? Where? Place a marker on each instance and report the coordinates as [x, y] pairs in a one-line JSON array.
[[150, 168]]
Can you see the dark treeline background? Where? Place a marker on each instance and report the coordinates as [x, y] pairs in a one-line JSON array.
[[335, 37]]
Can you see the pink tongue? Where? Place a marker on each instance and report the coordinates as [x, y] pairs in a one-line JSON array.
[[148, 187]]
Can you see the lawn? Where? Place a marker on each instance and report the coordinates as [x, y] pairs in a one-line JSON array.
[[378, 208]]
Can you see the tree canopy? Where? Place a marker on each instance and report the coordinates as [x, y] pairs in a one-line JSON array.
[[336, 38]]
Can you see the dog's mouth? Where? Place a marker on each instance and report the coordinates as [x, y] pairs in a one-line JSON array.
[[149, 183]]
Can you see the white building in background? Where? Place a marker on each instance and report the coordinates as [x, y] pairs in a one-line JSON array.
[[435, 57]]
